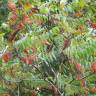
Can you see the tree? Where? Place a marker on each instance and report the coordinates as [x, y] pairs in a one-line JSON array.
[[47, 47]]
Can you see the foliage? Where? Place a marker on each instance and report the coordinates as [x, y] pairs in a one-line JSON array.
[[47, 47]]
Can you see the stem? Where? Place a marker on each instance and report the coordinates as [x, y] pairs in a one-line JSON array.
[[54, 87], [81, 78], [18, 90]]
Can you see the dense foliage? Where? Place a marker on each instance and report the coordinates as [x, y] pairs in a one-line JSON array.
[[47, 47]]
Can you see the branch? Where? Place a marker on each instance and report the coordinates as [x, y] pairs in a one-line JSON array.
[[81, 78]]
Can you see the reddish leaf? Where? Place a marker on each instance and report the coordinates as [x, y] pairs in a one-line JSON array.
[[93, 25], [46, 42], [26, 19], [34, 10], [7, 57], [93, 68], [93, 90], [13, 17], [83, 82], [80, 28], [67, 43], [28, 59], [78, 77], [34, 93], [20, 26], [34, 49], [12, 35]]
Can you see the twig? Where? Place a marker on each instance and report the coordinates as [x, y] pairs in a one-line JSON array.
[[54, 86], [81, 78]]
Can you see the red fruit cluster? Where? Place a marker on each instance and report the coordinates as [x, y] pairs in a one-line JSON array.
[[93, 68], [12, 6], [93, 25], [78, 67], [7, 57]]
